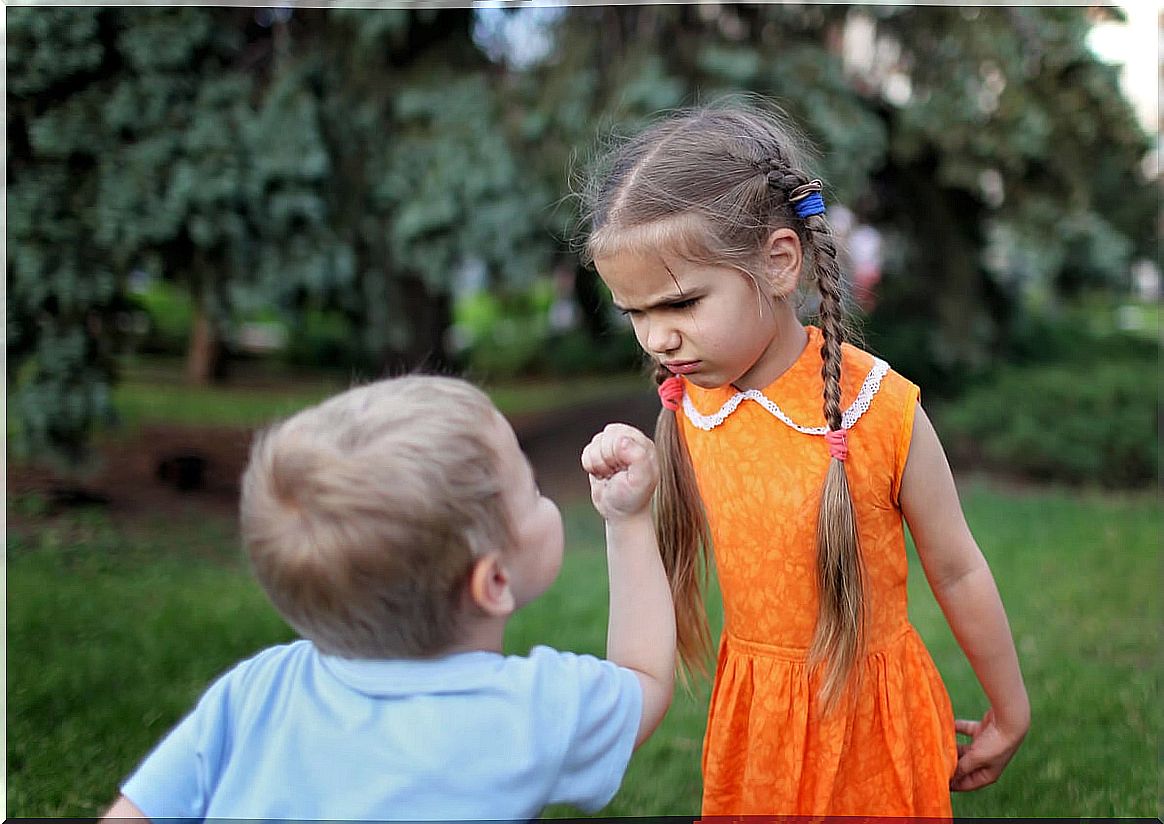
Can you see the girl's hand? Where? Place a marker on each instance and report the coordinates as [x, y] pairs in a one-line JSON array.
[[623, 469], [981, 761]]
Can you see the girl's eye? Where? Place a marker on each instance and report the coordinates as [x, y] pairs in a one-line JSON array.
[[679, 304]]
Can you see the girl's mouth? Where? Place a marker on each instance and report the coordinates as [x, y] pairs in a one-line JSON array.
[[681, 367]]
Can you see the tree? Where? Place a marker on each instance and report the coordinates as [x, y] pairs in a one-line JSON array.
[[380, 168], [992, 147], [62, 291], [1012, 170], [356, 160], [319, 157]]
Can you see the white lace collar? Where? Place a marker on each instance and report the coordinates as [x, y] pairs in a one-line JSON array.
[[849, 417]]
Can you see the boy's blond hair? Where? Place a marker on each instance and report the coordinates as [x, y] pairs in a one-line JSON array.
[[362, 516]]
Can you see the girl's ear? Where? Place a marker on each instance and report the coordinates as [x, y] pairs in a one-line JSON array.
[[783, 259], [490, 586]]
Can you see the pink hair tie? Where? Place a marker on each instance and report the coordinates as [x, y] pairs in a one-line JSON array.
[[838, 447], [671, 392]]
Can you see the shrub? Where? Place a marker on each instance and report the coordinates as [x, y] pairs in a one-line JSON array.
[[325, 340], [578, 352], [170, 313], [1094, 422]]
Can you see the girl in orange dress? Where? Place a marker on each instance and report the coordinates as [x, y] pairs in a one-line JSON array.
[[794, 456]]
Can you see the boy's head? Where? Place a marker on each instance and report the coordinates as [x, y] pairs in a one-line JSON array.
[[369, 518]]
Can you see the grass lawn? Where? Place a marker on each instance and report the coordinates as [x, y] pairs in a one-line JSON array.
[[159, 396], [113, 635], [155, 393]]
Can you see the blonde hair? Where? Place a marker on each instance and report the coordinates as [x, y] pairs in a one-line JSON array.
[[711, 184], [362, 516]]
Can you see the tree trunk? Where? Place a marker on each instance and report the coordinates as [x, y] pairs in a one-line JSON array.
[[205, 351], [429, 315], [588, 292]]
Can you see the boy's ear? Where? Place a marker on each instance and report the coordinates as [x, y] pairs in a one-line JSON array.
[[783, 258], [489, 586]]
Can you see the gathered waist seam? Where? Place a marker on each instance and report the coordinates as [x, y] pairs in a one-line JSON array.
[[800, 654]]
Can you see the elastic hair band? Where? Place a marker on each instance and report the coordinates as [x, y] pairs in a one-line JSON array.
[[671, 393], [806, 200], [837, 441]]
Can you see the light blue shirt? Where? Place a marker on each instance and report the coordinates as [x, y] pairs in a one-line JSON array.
[[293, 733]]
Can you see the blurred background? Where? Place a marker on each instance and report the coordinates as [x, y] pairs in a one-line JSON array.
[[216, 216]]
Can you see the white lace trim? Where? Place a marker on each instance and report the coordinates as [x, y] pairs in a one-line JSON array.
[[850, 416]]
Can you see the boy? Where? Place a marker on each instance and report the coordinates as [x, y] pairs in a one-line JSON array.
[[397, 527]]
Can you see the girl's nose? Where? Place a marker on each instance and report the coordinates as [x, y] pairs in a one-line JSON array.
[[662, 338]]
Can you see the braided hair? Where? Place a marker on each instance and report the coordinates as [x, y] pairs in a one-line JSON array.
[[713, 183]]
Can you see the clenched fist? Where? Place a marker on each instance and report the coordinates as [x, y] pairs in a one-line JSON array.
[[623, 469]]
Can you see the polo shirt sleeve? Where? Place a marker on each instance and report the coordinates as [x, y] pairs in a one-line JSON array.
[[605, 706], [178, 777]]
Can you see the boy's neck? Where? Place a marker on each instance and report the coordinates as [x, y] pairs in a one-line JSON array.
[[485, 634]]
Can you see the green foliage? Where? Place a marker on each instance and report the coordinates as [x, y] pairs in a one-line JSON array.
[[123, 148], [509, 335], [451, 187], [1012, 172], [1085, 334], [289, 191], [255, 168], [848, 136], [1091, 423], [579, 352], [47, 49], [1047, 253], [62, 292], [325, 340], [352, 161], [1068, 398], [504, 332], [170, 314]]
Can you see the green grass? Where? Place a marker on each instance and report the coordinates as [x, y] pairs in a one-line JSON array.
[[148, 397], [1080, 576], [112, 635], [152, 391], [516, 397], [140, 403]]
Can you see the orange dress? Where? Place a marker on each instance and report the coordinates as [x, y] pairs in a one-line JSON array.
[[888, 748]]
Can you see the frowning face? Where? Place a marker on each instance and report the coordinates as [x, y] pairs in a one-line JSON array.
[[712, 324]]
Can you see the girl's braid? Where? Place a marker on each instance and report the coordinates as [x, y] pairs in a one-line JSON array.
[[823, 251], [684, 540], [839, 638]]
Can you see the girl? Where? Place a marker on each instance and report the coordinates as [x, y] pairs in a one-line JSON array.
[[795, 456]]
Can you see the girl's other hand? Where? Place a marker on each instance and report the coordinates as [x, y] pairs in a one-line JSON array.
[[623, 469], [982, 760]]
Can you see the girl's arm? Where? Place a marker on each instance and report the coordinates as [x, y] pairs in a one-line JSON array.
[[623, 473], [965, 589]]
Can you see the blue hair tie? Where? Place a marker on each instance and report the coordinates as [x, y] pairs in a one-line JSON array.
[[807, 200], [812, 205]]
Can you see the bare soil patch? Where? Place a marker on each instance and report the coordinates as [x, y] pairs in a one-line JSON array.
[[160, 471]]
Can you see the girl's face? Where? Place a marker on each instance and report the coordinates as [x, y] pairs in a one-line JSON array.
[[712, 324]]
